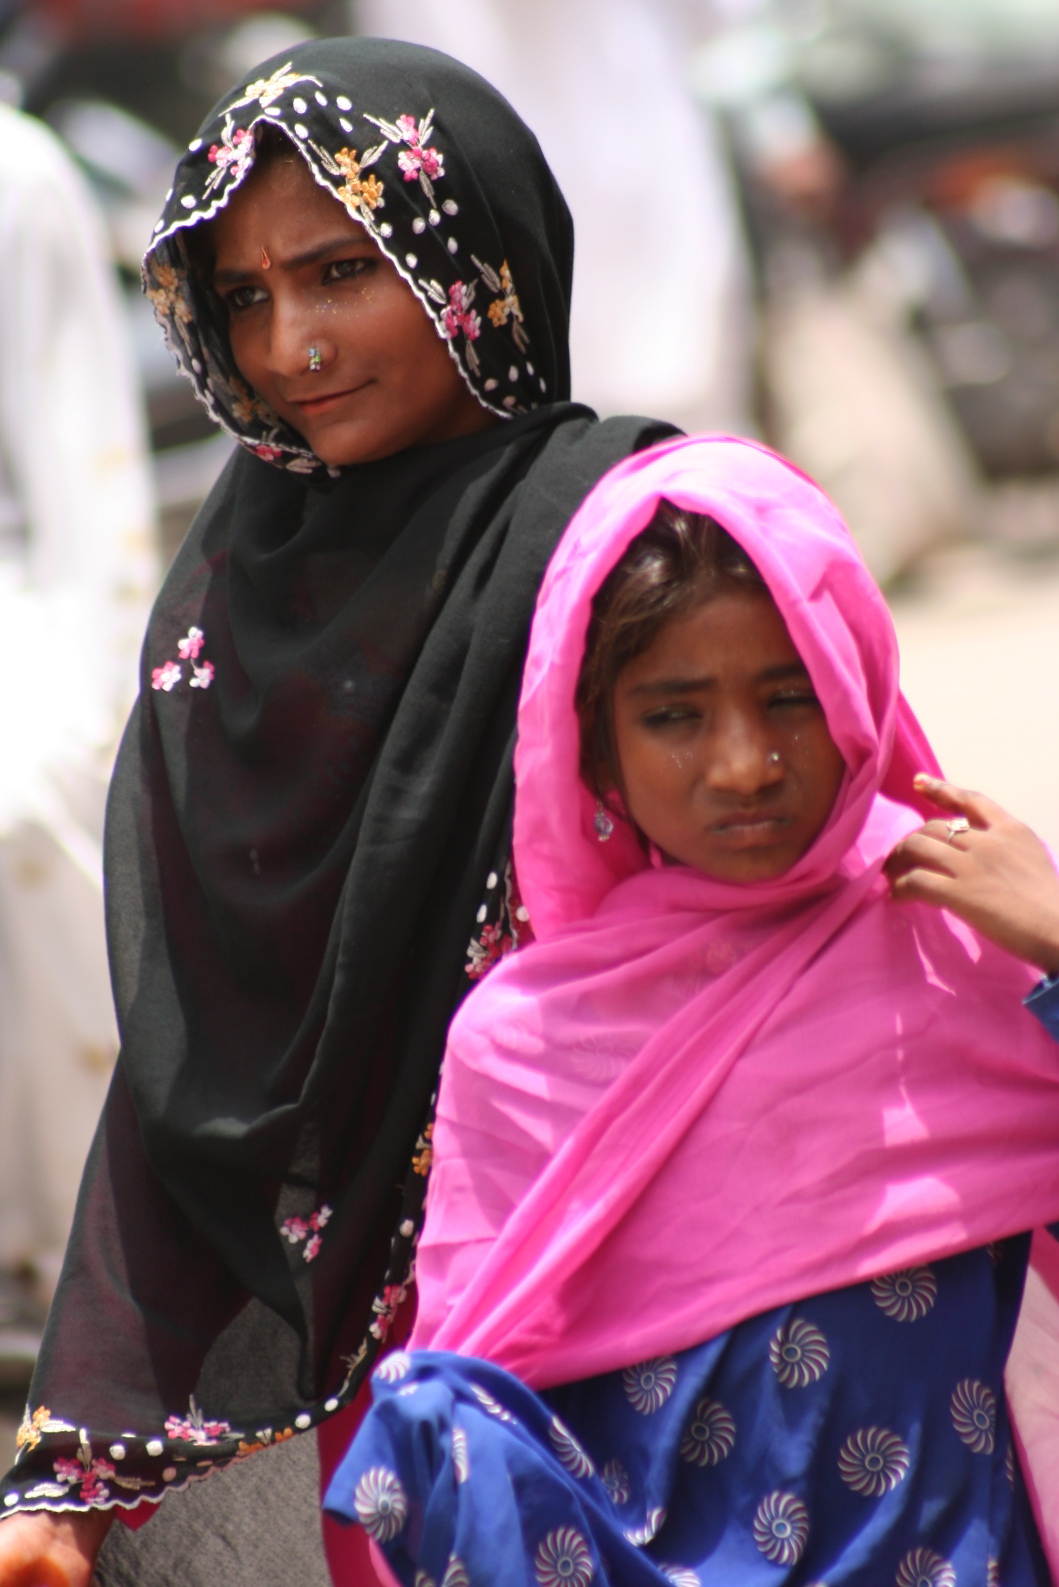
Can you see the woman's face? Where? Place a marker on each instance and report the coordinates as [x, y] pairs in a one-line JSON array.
[[726, 761], [297, 271]]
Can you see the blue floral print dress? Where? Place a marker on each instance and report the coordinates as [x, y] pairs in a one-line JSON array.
[[858, 1438]]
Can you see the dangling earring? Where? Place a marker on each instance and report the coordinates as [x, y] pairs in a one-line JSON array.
[[601, 821], [315, 360]]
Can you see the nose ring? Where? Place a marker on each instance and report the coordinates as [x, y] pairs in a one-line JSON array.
[[773, 757], [315, 360]]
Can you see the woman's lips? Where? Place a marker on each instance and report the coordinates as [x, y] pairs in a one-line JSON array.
[[312, 406]]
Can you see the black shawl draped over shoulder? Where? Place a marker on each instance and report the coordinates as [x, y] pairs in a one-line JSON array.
[[310, 814]]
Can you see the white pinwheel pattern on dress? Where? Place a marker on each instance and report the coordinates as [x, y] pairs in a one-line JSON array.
[[799, 1354], [564, 1560], [781, 1528], [640, 1536], [461, 1457], [973, 1410], [456, 1573], [906, 1295], [576, 1461], [393, 1367], [616, 1481], [921, 1567], [381, 1504], [709, 1436], [873, 1461], [494, 1407], [649, 1384], [681, 1575], [992, 1573]]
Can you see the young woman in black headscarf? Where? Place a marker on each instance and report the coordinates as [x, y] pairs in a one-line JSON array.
[[364, 268]]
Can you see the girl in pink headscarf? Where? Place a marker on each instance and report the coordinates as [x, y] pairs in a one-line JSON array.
[[739, 1167]]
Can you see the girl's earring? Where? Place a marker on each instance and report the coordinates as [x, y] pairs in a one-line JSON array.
[[601, 821], [315, 360]]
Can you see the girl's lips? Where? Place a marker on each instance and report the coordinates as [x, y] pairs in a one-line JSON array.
[[750, 831]]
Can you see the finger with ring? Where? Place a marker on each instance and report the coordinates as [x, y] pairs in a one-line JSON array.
[[957, 825]]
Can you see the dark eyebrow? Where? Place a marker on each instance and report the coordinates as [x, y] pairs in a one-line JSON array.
[[228, 278], [787, 669]]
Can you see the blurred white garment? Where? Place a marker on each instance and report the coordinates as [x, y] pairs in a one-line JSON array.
[[77, 574], [662, 319]]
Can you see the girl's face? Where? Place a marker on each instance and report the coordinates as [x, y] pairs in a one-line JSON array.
[[726, 761], [296, 271]]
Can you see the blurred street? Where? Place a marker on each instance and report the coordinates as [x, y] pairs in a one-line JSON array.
[[979, 635]]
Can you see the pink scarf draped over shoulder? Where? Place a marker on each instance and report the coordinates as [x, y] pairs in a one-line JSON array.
[[688, 1102]]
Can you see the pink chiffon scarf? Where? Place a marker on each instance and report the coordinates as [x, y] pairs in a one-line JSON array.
[[690, 1101]]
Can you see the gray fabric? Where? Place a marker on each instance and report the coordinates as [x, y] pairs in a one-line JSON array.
[[255, 1524]]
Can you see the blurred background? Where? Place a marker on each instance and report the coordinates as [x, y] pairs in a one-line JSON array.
[[830, 223]]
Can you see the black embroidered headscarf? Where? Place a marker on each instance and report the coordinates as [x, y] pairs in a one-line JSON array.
[[310, 814]]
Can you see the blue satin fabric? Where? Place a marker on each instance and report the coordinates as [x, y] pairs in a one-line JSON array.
[[854, 1439]]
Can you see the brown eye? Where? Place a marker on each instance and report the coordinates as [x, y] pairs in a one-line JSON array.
[[346, 269], [245, 297]]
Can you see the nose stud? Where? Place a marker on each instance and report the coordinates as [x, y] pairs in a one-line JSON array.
[[315, 360], [773, 758]]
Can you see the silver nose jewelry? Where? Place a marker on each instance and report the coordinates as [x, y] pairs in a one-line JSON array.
[[315, 360], [957, 825], [773, 757]]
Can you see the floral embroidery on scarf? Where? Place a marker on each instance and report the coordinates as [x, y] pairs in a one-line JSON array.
[[189, 647], [168, 675], [385, 1307], [34, 1424], [168, 295], [308, 1229], [264, 1438], [89, 1474], [236, 149], [196, 1429], [416, 160], [424, 1152], [508, 929], [266, 90], [506, 307], [358, 192]]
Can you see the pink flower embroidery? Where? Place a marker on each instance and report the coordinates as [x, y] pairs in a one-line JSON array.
[[271, 454], [90, 1474], [233, 147], [188, 648], [417, 157], [195, 1429], [493, 944], [459, 316], [385, 1308], [298, 1229], [166, 676], [203, 675]]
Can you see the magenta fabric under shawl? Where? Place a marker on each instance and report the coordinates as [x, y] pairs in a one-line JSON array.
[[689, 1101]]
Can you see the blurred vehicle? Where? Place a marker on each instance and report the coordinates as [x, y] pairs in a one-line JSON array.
[[900, 170]]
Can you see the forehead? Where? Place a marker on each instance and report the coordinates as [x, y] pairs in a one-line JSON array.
[[732, 632], [282, 204]]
